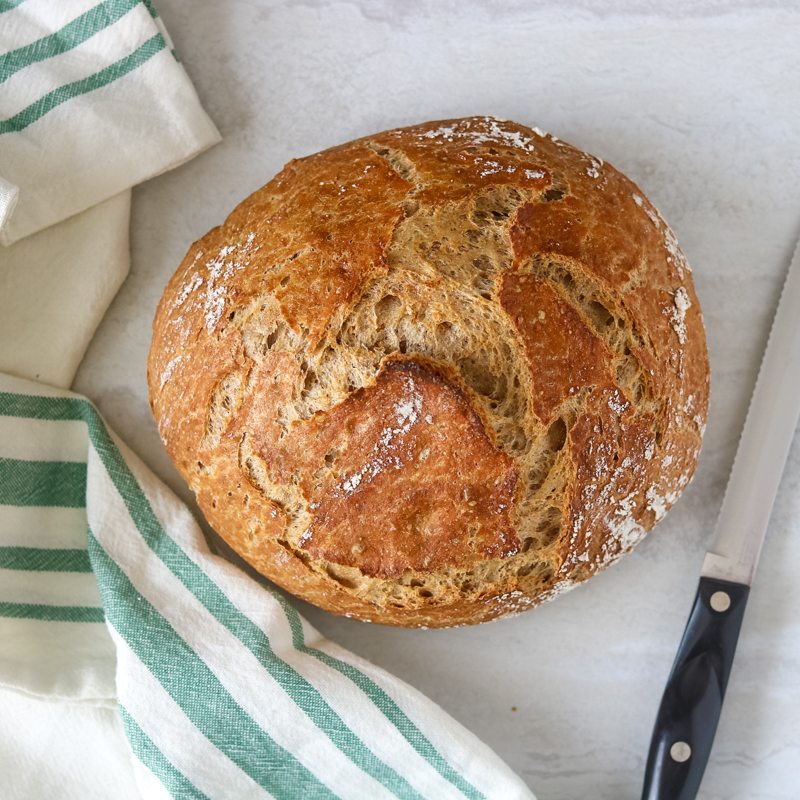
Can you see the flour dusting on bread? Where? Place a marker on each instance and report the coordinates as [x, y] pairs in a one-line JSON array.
[[681, 304]]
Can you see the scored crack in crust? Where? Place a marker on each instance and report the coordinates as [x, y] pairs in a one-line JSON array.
[[436, 375]]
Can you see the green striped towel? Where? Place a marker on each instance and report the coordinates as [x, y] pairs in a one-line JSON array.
[[88, 90], [224, 691], [92, 102]]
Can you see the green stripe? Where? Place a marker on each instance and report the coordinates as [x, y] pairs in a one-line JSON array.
[[194, 687], [250, 635], [38, 559], [54, 409], [105, 76], [407, 729], [71, 35], [9, 5], [65, 408], [151, 8], [175, 782], [42, 483], [51, 613]]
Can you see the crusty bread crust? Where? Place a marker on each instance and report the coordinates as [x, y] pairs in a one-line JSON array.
[[436, 375]]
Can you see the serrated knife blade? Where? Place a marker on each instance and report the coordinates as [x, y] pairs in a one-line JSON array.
[[763, 447], [692, 701]]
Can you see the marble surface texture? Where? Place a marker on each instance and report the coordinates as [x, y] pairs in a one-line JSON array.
[[699, 103]]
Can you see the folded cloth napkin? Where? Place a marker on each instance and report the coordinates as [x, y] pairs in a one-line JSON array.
[[91, 91], [223, 689], [92, 102]]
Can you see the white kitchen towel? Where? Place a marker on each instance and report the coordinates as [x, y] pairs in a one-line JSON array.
[[92, 101], [68, 751], [55, 287], [223, 689]]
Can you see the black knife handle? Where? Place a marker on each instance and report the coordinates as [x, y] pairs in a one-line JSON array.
[[690, 708]]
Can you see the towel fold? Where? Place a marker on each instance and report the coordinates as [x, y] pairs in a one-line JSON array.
[[92, 102], [55, 287]]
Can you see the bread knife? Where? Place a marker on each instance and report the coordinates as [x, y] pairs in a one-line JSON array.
[[692, 701]]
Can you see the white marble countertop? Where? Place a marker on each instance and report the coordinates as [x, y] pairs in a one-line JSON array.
[[700, 106]]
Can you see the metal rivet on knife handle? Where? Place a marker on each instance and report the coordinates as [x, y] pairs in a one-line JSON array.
[[680, 752], [720, 601]]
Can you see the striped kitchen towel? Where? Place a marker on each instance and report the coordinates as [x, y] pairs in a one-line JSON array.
[[224, 691], [92, 102], [91, 90]]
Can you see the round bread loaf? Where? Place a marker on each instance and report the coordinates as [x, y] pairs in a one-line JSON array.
[[436, 375]]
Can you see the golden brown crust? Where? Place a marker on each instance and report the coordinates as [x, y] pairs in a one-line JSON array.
[[410, 466], [563, 353], [436, 375]]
